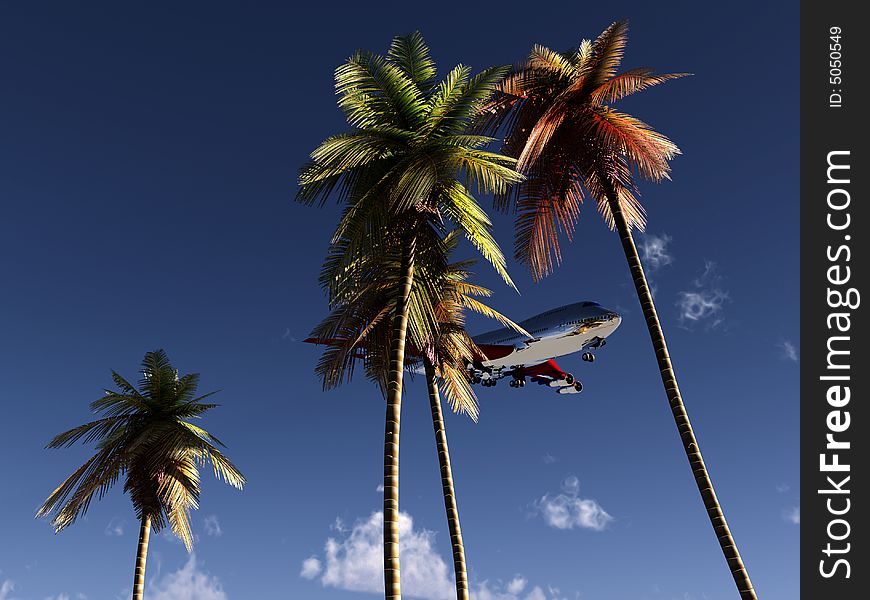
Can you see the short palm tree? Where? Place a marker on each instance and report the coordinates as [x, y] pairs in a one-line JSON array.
[[407, 165], [360, 329], [571, 143], [146, 437]]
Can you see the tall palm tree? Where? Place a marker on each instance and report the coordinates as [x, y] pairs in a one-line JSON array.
[[146, 437], [570, 143], [407, 165], [360, 329]]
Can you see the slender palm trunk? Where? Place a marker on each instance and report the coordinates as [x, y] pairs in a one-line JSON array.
[[392, 586], [141, 555], [447, 485], [684, 427]]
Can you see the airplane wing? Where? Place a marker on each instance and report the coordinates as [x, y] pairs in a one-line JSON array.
[[550, 374]]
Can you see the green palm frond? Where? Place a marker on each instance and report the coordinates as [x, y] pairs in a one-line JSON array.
[[411, 54]]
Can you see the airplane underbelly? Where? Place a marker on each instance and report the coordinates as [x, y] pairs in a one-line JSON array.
[[552, 347], [539, 352]]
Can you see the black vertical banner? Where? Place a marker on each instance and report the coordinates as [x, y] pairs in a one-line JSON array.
[[835, 225]]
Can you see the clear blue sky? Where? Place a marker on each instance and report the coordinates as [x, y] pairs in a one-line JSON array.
[[147, 171]]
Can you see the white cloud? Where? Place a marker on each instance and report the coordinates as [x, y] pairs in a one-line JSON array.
[[115, 527], [212, 526], [355, 562], [654, 251], [517, 584], [704, 301], [792, 515], [783, 488], [567, 510], [187, 583], [789, 351], [6, 589], [548, 459], [311, 568], [485, 591], [58, 597], [380, 488]]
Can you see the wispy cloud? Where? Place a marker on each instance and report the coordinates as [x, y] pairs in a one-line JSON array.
[[115, 527], [654, 251], [548, 459], [354, 562], [654, 254], [568, 510], [792, 515], [189, 582], [702, 303], [6, 589], [212, 526], [782, 488], [788, 351]]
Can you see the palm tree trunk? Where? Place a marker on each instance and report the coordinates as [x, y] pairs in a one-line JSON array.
[[392, 586], [447, 485], [141, 554], [684, 427]]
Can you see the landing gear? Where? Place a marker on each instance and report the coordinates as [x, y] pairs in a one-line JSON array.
[[569, 379], [588, 357], [489, 382], [518, 383]]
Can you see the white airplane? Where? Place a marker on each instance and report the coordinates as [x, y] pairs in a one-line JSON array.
[[579, 327]]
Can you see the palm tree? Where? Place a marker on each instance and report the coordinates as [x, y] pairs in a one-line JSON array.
[[146, 437], [407, 165], [360, 329], [571, 143]]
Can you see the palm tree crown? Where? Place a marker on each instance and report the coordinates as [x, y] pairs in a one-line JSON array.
[[146, 437], [571, 143], [409, 161]]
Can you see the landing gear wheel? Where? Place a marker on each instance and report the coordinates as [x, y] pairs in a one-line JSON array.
[[522, 382], [578, 386], [513, 383], [569, 379], [588, 357]]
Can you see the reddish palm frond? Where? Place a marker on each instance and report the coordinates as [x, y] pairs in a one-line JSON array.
[[540, 135], [645, 148], [607, 52], [627, 83], [548, 204]]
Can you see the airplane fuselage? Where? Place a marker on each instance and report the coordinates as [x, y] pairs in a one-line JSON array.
[[555, 333]]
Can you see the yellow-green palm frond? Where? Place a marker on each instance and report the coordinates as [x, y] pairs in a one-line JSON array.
[[456, 387], [146, 439], [412, 55], [542, 57]]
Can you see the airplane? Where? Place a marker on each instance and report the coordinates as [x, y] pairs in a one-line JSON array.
[[578, 327]]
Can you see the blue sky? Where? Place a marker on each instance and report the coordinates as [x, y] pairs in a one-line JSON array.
[[147, 172]]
